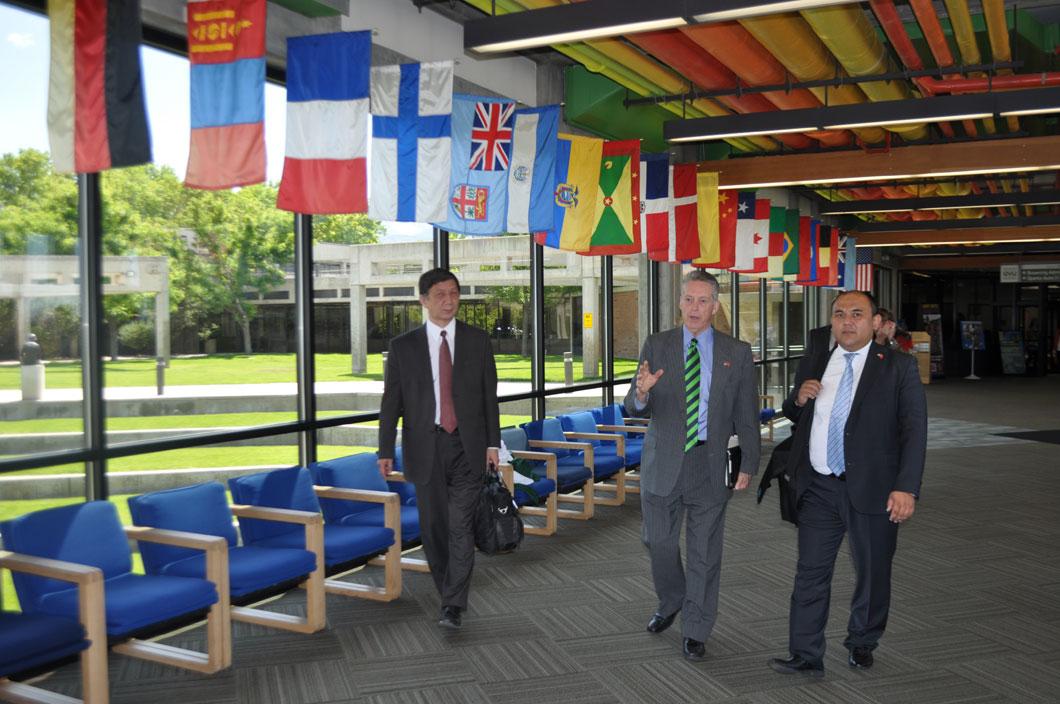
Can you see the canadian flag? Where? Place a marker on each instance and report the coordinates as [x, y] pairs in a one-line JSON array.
[[670, 231], [752, 234]]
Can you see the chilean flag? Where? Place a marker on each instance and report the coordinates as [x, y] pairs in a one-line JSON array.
[[226, 45], [324, 170]]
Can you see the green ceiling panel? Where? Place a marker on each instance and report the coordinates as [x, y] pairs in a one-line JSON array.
[[594, 104]]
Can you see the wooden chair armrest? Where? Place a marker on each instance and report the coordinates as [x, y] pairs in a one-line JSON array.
[[560, 445], [507, 476], [178, 538], [528, 455], [638, 421], [377, 497], [619, 440], [638, 429], [52, 569], [281, 515]]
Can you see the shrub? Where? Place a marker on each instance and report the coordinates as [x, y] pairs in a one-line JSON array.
[[137, 337]]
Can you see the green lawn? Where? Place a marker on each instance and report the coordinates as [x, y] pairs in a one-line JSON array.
[[267, 368]]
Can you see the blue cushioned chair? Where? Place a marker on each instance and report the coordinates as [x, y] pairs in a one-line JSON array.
[[544, 465], [33, 642], [609, 419], [137, 606], [361, 471], [547, 434], [346, 547], [609, 454], [254, 573]]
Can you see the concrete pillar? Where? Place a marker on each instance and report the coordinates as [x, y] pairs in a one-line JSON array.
[[590, 312], [669, 295], [162, 322], [22, 315], [358, 329]]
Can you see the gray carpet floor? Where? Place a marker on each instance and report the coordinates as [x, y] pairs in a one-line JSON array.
[[975, 618]]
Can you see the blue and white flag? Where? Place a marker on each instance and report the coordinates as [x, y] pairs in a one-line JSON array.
[[533, 165], [412, 107], [482, 152]]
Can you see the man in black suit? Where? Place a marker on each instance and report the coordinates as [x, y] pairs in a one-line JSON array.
[[857, 458], [441, 380]]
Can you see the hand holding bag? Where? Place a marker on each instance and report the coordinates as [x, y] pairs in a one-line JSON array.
[[498, 526]]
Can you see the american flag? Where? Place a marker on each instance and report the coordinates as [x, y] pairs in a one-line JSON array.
[[863, 276], [491, 137]]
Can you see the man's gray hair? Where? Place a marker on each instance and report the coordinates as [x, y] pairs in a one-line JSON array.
[[703, 277]]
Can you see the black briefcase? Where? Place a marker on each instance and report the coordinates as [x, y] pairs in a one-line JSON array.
[[498, 525]]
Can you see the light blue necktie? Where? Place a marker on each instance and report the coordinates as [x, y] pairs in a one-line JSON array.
[[837, 422]]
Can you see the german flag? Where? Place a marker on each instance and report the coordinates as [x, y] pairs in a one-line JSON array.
[[96, 114]]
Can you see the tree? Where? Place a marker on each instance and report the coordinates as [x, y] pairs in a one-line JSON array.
[[38, 208], [347, 229]]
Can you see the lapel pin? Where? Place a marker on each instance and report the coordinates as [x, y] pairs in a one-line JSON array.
[[726, 363], [879, 355]]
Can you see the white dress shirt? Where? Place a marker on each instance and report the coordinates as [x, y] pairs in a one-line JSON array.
[[822, 408], [434, 344]]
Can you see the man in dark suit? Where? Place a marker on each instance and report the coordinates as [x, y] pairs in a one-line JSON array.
[[698, 387], [441, 380], [857, 458]]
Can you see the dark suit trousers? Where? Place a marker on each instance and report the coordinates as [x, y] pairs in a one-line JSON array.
[[691, 588], [446, 506], [825, 515]]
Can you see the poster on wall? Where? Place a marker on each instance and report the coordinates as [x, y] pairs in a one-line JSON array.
[[972, 337], [932, 318], [1012, 358]]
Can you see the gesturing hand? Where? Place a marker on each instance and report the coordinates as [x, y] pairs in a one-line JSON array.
[[646, 379]]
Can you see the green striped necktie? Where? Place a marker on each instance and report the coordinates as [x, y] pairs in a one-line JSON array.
[[692, 372]]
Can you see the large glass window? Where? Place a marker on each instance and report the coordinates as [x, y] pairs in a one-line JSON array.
[[775, 318], [750, 327]]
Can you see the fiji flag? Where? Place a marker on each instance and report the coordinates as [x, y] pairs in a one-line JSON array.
[[327, 124], [412, 107], [533, 164], [482, 152], [226, 45]]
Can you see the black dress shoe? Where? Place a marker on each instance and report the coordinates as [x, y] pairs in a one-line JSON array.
[[860, 657], [797, 666], [694, 649], [660, 623], [450, 617]]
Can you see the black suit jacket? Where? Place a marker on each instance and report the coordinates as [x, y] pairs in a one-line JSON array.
[[819, 339], [886, 431], [409, 394]]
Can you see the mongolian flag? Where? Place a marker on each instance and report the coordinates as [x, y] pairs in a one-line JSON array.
[[726, 243], [324, 169], [482, 152], [576, 185], [96, 114], [226, 45], [617, 219], [752, 234]]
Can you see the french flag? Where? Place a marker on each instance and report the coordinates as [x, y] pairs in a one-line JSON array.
[[324, 169], [226, 45]]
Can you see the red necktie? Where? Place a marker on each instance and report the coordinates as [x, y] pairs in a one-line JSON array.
[[445, 386]]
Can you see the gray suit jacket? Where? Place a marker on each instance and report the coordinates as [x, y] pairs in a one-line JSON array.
[[732, 408]]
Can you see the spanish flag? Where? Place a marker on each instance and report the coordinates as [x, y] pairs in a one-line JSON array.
[[96, 114], [575, 190]]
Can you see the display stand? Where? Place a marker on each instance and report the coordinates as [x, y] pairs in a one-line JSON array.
[[972, 376]]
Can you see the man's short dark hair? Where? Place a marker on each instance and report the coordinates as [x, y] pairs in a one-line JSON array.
[[428, 279], [872, 300], [886, 316], [704, 277]]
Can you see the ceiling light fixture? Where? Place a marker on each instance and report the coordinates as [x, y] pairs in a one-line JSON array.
[[982, 200], [871, 114], [596, 19]]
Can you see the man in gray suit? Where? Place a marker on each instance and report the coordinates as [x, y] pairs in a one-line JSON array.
[[697, 385]]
